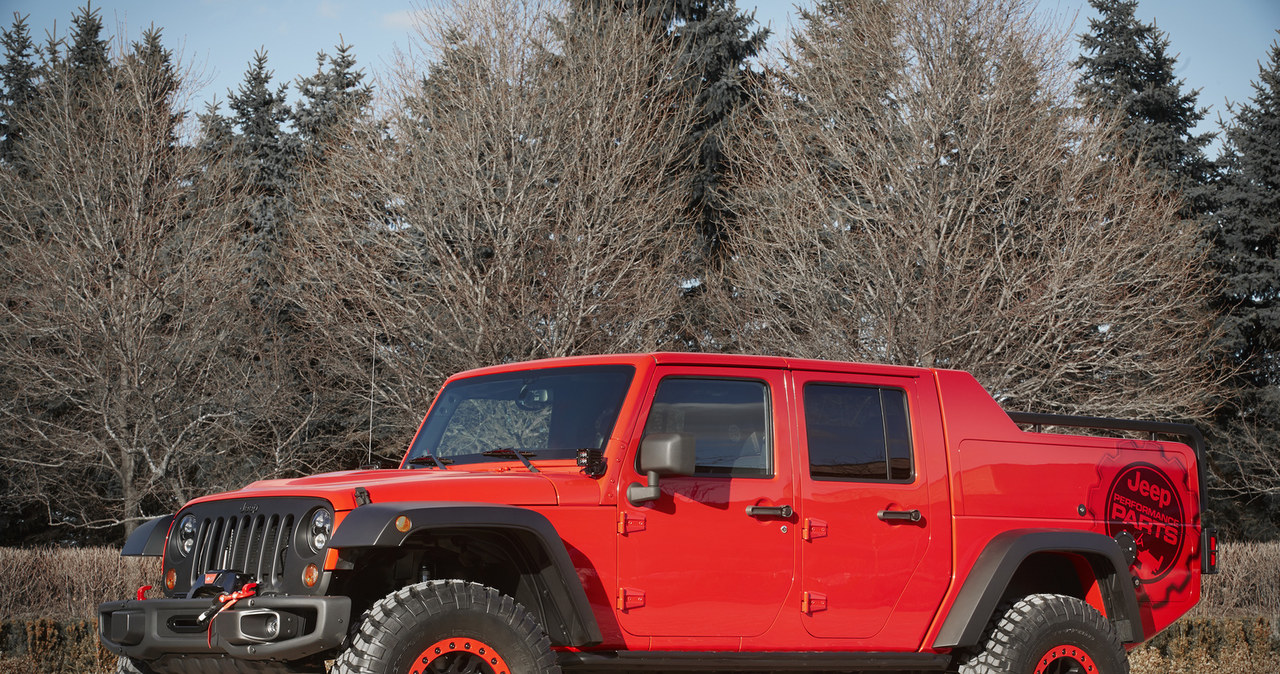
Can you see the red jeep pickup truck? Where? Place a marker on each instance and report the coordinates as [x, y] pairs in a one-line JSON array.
[[674, 511]]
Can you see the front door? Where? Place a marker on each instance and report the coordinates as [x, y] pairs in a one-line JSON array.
[[695, 562]]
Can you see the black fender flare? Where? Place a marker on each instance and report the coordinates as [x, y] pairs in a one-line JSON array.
[[148, 539], [375, 526], [999, 561]]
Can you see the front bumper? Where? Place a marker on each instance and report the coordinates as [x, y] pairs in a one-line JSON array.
[[259, 628]]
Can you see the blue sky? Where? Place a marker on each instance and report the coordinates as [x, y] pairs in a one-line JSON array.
[[1219, 42]]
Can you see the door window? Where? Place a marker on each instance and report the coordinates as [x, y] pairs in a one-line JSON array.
[[727, 418], [857, 433]]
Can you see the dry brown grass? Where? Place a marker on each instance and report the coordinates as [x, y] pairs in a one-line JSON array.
[[1208, 646], [65, 584], [48, 590], [69, 583], [44, 646], [1233, 628], [1247, 586]]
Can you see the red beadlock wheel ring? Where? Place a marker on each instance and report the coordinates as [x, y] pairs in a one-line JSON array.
[[459, 654], [1070, 659]]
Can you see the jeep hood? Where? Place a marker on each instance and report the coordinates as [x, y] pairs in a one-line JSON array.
[[507, 487]]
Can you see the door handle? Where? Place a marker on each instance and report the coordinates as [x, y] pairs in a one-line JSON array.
[[899, 515], [770, 511]]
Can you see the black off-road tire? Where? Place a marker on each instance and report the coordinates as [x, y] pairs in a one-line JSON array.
[[127, 665], [1049, 634], [448, 626]]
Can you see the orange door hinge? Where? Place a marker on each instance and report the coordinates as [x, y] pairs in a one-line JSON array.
[[630, 522], [812, 602], [813, 528], [629, 598]]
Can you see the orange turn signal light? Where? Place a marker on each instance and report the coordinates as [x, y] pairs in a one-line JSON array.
[[171, 578], [311, 575], [403, 524]]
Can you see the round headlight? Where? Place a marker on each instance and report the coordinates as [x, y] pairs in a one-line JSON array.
[[321, 529], [187, 535]]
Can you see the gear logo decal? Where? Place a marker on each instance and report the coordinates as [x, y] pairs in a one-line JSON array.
[[1143, 501]]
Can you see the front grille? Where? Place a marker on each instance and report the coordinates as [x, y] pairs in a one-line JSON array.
[[254, 544], [257, 537]]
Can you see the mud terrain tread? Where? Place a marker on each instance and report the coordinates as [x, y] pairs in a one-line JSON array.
[[127, 665], [1013, 631], [398, 615]]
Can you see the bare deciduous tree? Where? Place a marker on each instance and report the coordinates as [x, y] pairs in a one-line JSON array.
[[920, 192], [123, 296], [525, 202]]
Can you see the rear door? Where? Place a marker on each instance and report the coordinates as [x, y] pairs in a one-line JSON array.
[[868, 519]]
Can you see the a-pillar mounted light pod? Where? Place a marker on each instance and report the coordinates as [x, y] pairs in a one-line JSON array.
[[592, 462]]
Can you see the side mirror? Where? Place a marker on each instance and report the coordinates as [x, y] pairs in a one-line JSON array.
[[661, 454]]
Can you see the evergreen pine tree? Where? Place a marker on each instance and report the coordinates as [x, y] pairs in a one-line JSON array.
[[332, 97], [254, 155], [1247, 240], [461, 64], [1245, 254], [717, 39], [1126, 66], [87, 55], [50, 52], [332, 114], [263, 155], [162, 81], [17, 86], [216, 133], [17, 94]]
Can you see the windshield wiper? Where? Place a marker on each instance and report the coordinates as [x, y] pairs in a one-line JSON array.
[[506, 452], [429, 458]]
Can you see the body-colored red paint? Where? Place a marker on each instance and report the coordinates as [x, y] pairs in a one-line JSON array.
[[694, 571]]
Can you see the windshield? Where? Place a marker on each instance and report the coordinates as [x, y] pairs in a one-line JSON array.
[[542, 414]]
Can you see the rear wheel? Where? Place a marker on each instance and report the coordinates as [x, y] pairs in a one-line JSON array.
[[448, 626], [1048, 634]]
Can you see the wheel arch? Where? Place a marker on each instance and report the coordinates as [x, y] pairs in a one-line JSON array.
[[149, 538], [523, 536], [1089, 566]]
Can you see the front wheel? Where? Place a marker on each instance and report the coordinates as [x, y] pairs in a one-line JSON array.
[[448, 626], [1048, 634], [126, 665]]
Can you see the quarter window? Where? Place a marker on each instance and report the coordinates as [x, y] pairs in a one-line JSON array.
[[727, 418], [857, 433]]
